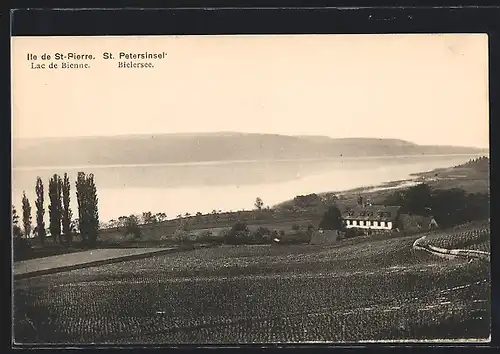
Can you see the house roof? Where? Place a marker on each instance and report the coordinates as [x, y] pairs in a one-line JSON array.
[[371, 212]]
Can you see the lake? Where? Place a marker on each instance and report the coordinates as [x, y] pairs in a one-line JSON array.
[[201, 187]]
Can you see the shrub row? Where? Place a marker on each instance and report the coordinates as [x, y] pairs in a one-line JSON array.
[[240, 234]]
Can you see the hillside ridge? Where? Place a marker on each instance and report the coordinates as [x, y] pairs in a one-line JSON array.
[[200, 147]]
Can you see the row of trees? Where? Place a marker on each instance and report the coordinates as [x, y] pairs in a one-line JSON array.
[[144, 219], [148, 218], [481, 164], [61, 225], [449, 207]]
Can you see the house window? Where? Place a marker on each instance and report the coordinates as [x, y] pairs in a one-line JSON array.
[[348, 222], [368, 223], [382, 223], [375, 223], [361, 223], [354, 222]]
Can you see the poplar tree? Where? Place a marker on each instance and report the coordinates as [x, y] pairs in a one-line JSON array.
[[26, 215], [16, 230], [40, 211], [55, 207], [88, 212], [67, 214], [93, 210], [82, 206]]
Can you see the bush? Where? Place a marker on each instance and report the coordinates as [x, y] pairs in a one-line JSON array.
[[208, 237], [261, 236], [239, 234], [132, 227], [17, 232]]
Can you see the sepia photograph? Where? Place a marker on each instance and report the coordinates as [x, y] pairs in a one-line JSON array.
[[246, 189]]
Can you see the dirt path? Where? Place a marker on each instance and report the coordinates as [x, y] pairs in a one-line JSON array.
[[65, 262], [420, 244]]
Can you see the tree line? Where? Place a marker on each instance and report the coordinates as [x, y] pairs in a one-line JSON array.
[[148, 218], [62, 226], [481, 164], [449, 207]]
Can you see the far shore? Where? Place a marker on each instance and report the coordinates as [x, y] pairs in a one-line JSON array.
[[225, 162], [447, 174], [376, 188]]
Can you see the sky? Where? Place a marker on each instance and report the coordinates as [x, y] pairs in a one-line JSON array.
[[427, 89]]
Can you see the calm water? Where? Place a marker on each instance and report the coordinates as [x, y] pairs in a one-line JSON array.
[[188, 188]]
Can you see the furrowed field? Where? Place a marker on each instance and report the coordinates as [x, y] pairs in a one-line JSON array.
[[371, 290]]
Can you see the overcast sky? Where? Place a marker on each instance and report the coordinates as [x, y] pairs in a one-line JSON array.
[[428, 89]]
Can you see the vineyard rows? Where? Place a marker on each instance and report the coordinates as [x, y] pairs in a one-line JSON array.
[[466, 237], [369, 291]]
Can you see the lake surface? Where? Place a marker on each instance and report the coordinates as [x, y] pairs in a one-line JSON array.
[[201, 187]]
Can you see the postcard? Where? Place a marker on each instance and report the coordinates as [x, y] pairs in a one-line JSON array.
[[242, 189]]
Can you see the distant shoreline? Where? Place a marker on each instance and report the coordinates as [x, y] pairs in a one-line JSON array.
[[223, 162], [415, 178], [391, 185]]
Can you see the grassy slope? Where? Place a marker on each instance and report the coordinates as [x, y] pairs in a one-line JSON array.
[[471, 177], [354, 291]]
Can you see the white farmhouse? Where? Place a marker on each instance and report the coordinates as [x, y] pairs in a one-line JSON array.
[[373, 217]]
